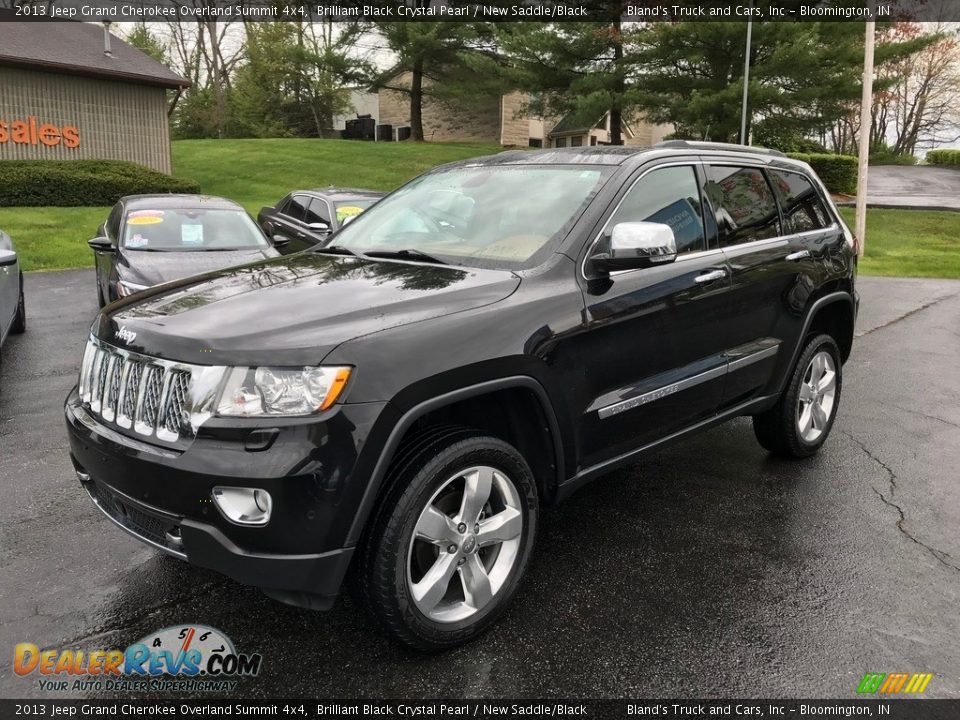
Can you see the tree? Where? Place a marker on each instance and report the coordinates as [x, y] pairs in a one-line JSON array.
[[141, 38], [438, 52], [578, 69], [803, 75]]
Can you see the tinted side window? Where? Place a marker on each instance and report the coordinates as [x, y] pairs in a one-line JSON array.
[[297, 208], [317, 212], [802, 207], [113, 222], [670, 196], [743, 203]]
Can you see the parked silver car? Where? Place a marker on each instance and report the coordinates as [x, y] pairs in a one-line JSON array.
[[13, 314]]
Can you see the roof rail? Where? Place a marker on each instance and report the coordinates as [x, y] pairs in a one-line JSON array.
[[704, 145]]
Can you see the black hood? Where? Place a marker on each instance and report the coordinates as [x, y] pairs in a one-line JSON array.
[[293, 309], [153, 268]]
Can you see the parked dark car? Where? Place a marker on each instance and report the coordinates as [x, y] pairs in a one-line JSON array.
[[151, 239], [13, 309], [484, 341], [305, 218]]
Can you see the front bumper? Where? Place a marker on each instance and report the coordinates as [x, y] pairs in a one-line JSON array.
[[162, 496]]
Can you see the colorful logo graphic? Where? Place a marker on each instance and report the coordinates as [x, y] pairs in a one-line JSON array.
[[894, 683], [196, 657]]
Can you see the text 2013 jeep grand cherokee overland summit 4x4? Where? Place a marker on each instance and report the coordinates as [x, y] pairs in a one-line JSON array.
[[486, 339]]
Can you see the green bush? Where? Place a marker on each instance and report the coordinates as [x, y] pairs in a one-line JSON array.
[[78, 183], [838, 172], [943, 157]]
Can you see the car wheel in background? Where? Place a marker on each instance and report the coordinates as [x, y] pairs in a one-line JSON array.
[[20, 319]]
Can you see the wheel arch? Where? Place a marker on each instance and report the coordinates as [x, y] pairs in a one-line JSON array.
[[834, 314], [549, 474]]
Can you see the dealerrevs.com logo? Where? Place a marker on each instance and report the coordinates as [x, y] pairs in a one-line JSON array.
[[189, 658]]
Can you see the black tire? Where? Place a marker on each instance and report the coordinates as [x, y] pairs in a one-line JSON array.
[[20, 319], [778, 429], [424, 467]]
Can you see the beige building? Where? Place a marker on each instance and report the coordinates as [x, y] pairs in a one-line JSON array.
[[503, 120], [70, 90]]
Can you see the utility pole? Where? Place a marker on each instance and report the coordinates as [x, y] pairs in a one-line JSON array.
[[866, 102], [746, 81]]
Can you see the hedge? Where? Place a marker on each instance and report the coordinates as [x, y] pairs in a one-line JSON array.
[[943, 157], [81, 182], [838, 172]]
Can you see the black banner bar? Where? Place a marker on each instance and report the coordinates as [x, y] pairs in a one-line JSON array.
[[899, 709]]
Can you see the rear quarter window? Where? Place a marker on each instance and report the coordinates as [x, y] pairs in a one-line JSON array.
[[803, 208]]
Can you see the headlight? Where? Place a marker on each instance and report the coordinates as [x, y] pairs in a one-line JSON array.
[[272, 391], [125, 288]]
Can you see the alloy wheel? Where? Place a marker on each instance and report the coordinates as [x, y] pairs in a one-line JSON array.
[[818, 391], [465, 543]]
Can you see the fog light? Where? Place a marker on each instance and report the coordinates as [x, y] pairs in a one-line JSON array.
[[244, 506]]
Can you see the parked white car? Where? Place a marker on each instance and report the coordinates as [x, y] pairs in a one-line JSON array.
[[13, 314]]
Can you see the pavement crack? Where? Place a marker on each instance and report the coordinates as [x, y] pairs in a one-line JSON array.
[[939, 555], [925, 415], [910, 313]]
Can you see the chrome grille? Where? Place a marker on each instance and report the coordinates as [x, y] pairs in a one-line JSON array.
[[151, 397]]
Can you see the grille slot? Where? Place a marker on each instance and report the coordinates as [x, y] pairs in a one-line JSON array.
[[152, 397]]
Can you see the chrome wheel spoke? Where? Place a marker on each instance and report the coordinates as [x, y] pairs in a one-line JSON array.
[[505, 525], [476, 493], [827, 383], [436, 528], [806, 393], [818, 415], [476, 582], [806, 420], [433, 586]]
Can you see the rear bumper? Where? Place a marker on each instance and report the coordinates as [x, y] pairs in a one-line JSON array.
[[163, 499]]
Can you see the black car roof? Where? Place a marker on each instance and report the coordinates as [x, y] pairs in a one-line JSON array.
[[175, 200], [339, 193]]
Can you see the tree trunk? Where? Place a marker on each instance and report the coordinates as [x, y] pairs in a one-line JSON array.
[[416, 100]]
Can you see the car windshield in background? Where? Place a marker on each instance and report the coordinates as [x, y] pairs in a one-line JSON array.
[[347, 210], [188, 229], [477, 216]]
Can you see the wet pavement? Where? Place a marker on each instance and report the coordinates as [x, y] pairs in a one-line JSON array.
[[709, 569]]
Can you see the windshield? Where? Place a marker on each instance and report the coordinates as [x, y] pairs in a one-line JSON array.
[[190, 229], [347, 210], [480, 216]]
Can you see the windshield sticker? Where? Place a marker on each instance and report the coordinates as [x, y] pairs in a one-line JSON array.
[[144, 220], [191, 234], [137, 241], [346, 213]]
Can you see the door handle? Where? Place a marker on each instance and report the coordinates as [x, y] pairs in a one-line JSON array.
[[718, 274], [796, 256]]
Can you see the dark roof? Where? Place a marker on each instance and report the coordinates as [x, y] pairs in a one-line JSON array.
[[338, 194], [76, 48], [175, 200]]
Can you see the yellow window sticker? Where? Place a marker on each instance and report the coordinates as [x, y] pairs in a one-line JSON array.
[[144, 219], [346, 213]]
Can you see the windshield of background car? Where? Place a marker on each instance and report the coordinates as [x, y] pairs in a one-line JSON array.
[[189, 229], [347, 210], [481, 216]]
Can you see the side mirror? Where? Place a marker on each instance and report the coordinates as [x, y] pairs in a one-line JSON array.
[[7, 257], [637, 245], [101, 244], [319, 227]]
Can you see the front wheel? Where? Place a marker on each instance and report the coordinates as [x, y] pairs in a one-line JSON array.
[[451, 540], [800, 422]]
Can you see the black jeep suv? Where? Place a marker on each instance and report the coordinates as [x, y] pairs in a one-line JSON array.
[[398, 404]]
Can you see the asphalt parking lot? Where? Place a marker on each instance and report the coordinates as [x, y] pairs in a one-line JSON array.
[[709, 569]]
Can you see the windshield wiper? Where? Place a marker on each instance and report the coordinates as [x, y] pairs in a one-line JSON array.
[[335, 250], [407, 254]]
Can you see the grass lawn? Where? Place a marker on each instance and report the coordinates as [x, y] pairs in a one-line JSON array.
[[910, 243], [914, 243]]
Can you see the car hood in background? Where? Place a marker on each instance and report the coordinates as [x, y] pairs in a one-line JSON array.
[[154, 268], [293, 310]]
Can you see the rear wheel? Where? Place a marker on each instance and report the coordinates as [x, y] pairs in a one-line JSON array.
[[800, 422], [20, 319], [451, 540]]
